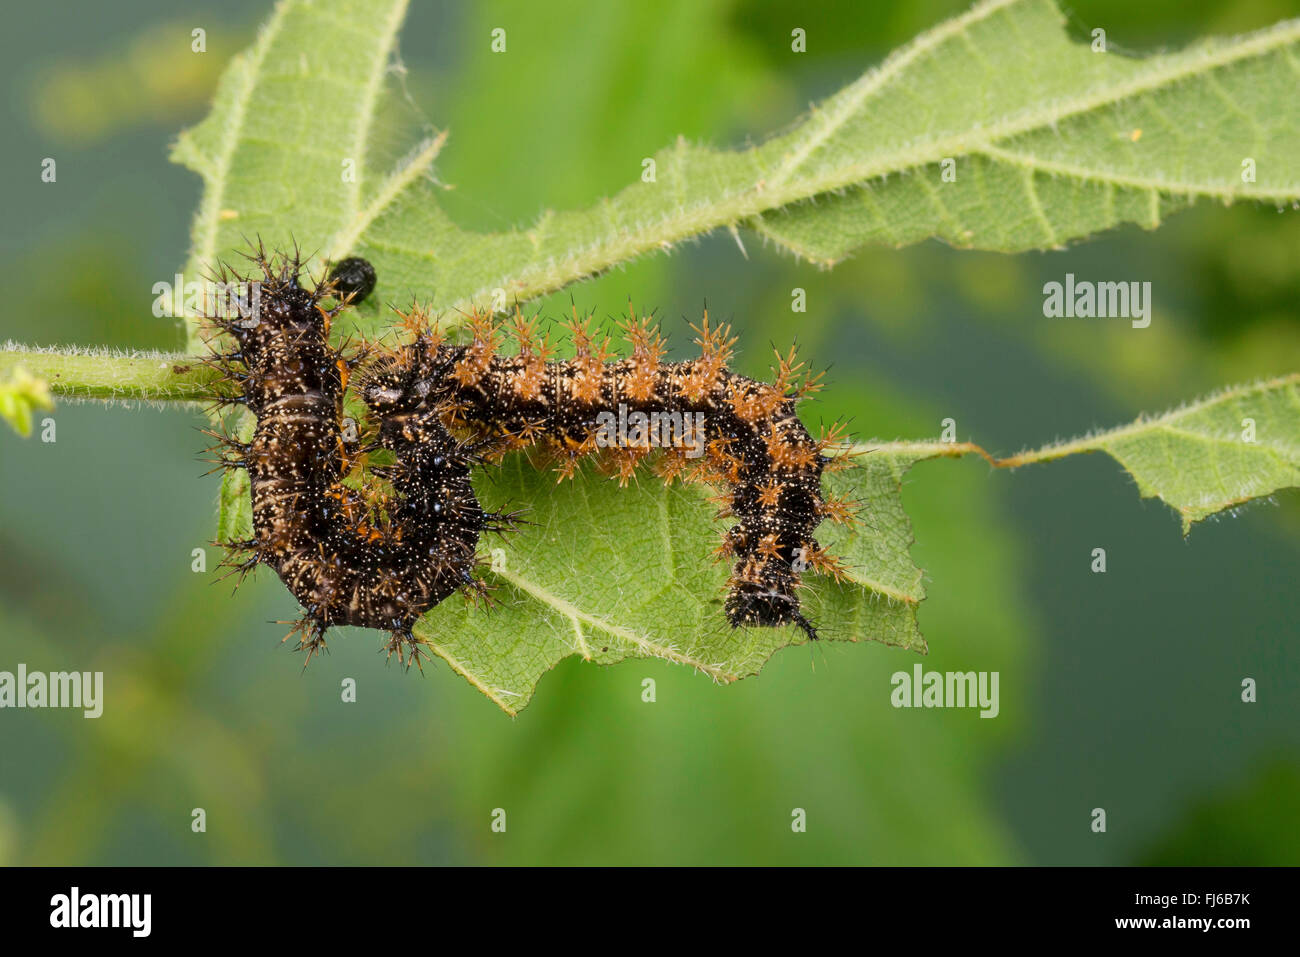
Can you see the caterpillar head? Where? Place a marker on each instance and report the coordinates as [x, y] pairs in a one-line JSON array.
[[353, 279]]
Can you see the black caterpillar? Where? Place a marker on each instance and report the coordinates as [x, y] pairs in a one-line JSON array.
[[381, 561], [347, 560]]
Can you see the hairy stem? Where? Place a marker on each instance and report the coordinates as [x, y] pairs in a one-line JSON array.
[[107, 374]]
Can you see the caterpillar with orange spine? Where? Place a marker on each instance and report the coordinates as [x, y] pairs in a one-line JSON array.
[[443, 408]]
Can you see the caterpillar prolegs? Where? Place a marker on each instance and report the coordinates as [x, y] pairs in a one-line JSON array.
[[380, 557]]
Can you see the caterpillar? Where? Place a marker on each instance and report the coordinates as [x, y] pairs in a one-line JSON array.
[[753, 444], [353, 556], [348, 561]]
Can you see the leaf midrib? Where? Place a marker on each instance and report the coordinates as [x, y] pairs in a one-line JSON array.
[[640, 643], [753, 200]]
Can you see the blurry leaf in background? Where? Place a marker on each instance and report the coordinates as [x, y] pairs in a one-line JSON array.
[[156, 78], [79, 289], [601, 110], [20, 395], [8, 835], [1250, 823], [154, 727]]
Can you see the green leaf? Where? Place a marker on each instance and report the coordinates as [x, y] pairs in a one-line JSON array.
[[1222, 451], [1051, 142], [286, 151], [610, 573]]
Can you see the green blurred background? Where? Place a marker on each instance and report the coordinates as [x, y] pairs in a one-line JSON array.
[[1118, 691]]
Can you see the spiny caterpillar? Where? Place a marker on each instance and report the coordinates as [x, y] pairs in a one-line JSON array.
[[348, 560], [353, 555]]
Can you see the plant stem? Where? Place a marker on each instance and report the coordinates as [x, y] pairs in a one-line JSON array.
[[109, 375]]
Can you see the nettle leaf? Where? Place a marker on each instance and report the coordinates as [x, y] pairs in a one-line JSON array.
[[1222, 451], [994, 131], [610, 573], [284, 152], [1049, 142]]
